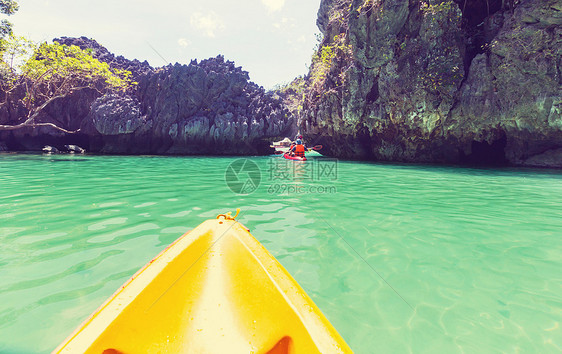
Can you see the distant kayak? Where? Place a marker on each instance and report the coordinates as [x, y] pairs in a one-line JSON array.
[[280, 149], [214, 290], [296, 158]]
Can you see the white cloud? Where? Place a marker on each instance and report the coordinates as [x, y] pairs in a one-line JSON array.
[[184, 42], [285, 24], [297, 42], [209, 24], [273, 5]]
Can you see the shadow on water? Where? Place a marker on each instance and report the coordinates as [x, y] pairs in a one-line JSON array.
[[30, 156], [483, 170], [65, 160]]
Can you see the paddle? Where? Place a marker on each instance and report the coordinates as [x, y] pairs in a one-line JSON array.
[[316, 148]]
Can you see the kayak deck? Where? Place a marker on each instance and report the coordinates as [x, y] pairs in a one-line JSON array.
[[214, 290]]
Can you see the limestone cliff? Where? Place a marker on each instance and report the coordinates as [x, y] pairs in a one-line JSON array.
[[201, 108], [206, 107], [438, 81]]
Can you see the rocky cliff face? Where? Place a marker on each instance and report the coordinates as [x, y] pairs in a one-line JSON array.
[[209, 107], [438, 81]]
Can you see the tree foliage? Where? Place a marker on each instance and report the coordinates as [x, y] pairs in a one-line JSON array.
[[13, 52], [57, 69], [7, 7], [47, 72]]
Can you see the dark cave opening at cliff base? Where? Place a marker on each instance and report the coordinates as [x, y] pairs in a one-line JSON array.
[[27, 142], [485, 154]]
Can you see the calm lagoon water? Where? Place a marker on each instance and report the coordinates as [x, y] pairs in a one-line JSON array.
[[399, 258]]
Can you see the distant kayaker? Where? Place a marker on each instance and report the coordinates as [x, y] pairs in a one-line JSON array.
[[294, 142], [298, 149]]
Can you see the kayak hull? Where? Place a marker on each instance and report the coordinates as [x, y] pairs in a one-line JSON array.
[[216, 289], [294, 158], [282, 150]]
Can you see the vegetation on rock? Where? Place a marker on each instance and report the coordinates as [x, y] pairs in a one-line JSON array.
[[324, 59], [436, 80], [204, 107], [48, 72], [293, 95], [7, 7]]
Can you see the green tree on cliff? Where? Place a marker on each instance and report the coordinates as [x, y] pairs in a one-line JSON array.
[[51, 72], [7, 7]]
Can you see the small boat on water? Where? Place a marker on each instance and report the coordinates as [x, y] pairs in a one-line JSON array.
[[281, 149], [282, 145], [214, 290]]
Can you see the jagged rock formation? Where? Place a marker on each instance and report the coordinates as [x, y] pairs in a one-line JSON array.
[[209, 107], [101, 53], [438, 81], [206, 107]]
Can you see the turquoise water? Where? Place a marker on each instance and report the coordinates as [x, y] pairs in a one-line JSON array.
[[399, 258]]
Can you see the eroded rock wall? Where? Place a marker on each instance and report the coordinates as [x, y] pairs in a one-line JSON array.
[[438, 81], [207, 107]]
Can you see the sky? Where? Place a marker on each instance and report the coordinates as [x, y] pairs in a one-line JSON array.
[[271, 39]]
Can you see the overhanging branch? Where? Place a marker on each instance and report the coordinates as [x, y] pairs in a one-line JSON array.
[[34, 125]]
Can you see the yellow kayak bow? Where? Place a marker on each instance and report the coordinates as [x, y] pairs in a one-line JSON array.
[[214, 290]]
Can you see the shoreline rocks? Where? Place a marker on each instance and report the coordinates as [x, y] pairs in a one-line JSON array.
[[50, 149]]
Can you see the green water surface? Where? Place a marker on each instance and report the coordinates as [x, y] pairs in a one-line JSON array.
[[399, 258]]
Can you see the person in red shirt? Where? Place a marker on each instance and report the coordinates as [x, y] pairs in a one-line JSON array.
[[298, 149]]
